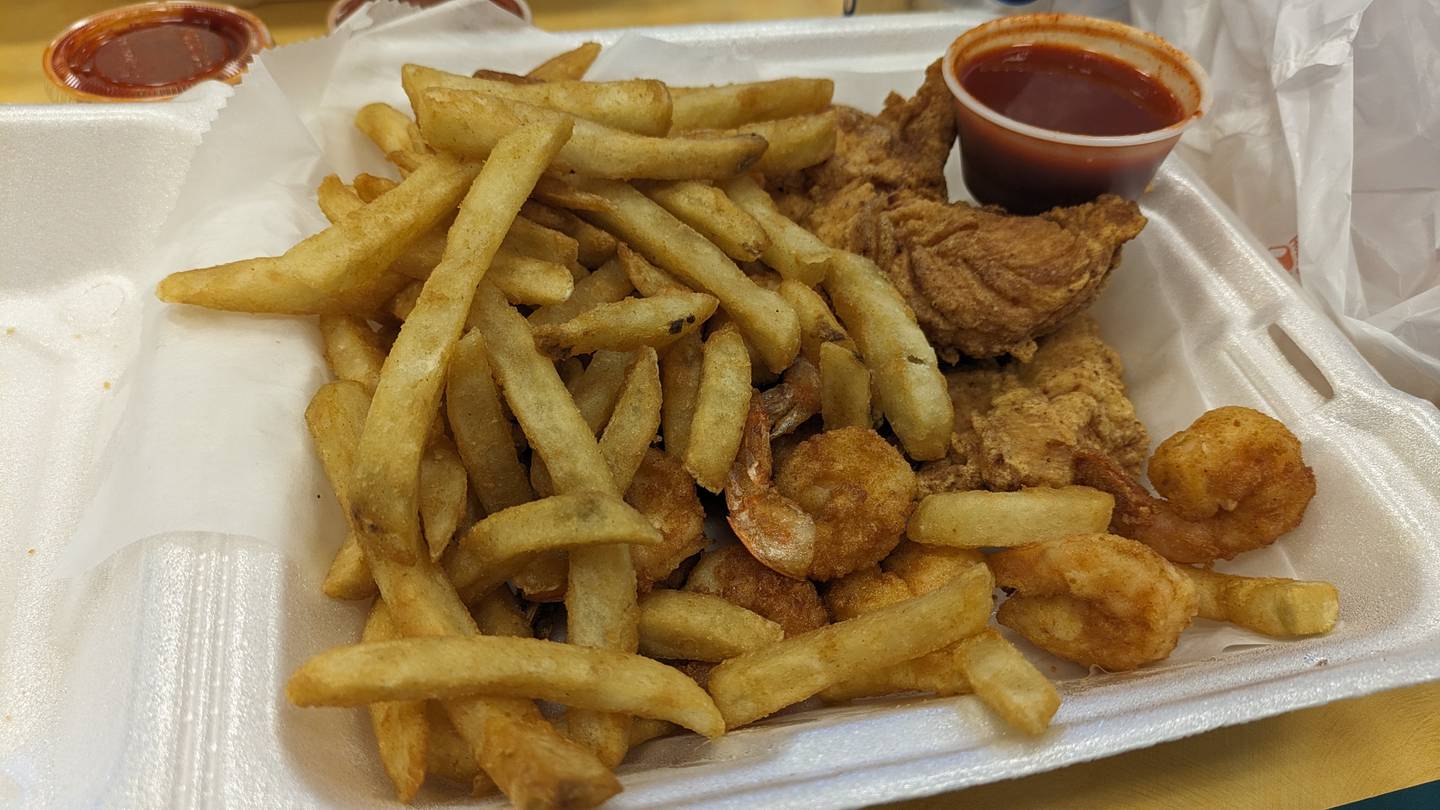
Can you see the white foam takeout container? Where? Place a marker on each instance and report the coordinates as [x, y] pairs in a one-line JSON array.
[[156, 680]]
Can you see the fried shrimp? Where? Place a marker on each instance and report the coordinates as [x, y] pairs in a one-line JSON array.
[[1232, 482], [838, 503], [664, 493], [1096, 599], [730, 573], [794, 400]]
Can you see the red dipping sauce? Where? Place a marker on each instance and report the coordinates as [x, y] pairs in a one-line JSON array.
[[153, 50], [1070, 90], [1056, 109]]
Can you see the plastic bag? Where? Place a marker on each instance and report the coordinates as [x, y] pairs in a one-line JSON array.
[[1325, 139]]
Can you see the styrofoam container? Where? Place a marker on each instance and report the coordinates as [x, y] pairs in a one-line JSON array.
[[156, 680]]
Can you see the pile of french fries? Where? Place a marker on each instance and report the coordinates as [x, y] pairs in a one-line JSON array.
[[566, 270]]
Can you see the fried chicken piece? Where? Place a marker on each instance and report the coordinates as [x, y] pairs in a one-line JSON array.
[[1021, 424], [982, 283]]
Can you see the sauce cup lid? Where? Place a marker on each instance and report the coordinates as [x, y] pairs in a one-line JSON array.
[[1151, 54], [152, 51]]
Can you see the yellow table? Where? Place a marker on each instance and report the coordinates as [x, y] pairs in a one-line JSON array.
[[1313, 758]]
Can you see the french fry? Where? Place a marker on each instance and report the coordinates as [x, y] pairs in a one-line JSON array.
[[759, 683], [635, 419], [627, 324], [680, 370], [481, 429], [569, 65], [444, 667], [708, 210], [731, 105], [533, 239], [470, 124], [443, 493], [818, 325], [497, 614], [795, 253], [529, 281], [340, 270], [527, 239], [641, 106], [600, 612], [497, 547], [646, 277], [763, 316], [449, 754], [689, 626], [388, 458], [554, 426], [511, 741], [645, 729], [597, 390], [600, 592], [352, 349], [606, 285], [594, 246], [394, 133], [337, 199], [721, 402], [336, 432], [404, 300], [545, 579], [1008, 683], [908, 382], [401, 730], [844, 388], [940, 673], [1283, 608], [369, 186], [794, 143], [979, 519], [986, 663], [349, 575]]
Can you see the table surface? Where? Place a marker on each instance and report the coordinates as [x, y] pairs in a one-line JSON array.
[[1317, 757]]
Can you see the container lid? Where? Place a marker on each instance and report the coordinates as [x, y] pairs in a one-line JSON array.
[[153, 50]]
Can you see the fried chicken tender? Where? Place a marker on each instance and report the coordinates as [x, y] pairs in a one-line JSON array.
[[730, 573], [982, 283], [837, 504], [1021, 424], [1095, 599], [664, 492], [1232, 482]]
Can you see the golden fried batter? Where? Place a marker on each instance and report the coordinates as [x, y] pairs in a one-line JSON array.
[[1021, 424], [982, 283], [1095, 599], [730, 573], [1233, 481], [663, 491], [838, 502]]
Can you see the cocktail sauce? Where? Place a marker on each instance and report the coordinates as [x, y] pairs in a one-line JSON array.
[[1057, 109], [1070, 90], [153, 50]]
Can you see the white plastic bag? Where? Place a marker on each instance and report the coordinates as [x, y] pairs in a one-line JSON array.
[[1325, 139]]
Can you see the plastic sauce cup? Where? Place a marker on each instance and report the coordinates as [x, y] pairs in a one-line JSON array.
[[1028, 169], [152, 51]]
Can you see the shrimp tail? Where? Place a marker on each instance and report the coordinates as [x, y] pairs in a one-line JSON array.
[[776, 530]]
